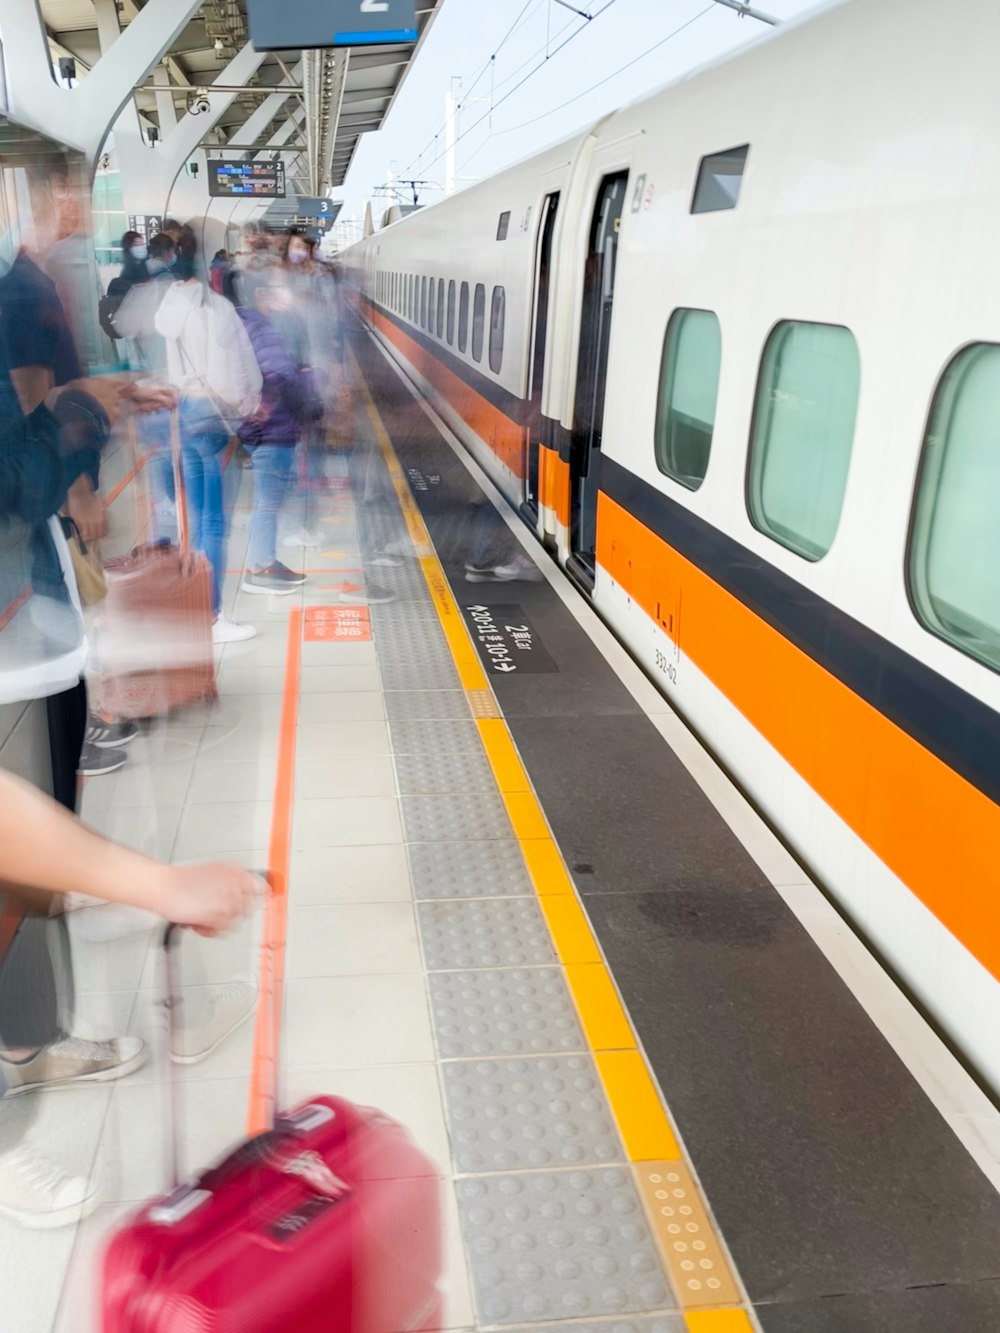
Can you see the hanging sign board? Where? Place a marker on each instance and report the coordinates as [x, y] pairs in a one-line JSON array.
[[239, 180], [288, 25], [316, 208]]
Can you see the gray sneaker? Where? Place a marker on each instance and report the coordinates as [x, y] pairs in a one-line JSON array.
[[231, 1006], [75, 1060], [36, 1193]]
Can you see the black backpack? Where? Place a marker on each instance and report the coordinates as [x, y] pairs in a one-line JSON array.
[[109, 305]]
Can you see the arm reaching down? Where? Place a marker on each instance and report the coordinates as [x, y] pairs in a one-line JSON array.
[[44, 847]]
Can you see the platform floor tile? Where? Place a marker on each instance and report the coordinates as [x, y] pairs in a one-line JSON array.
[[435, 737], [468, 869], [561, 1244], [454, 818], [425, 774], [507, 1115], [484, 932], [417, 705], [506, 1011]]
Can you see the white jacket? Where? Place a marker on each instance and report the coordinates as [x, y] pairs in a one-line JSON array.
[[208, 347]]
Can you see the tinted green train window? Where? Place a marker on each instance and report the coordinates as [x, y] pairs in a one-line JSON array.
[[803, 432], [954, 550], [689, 387]]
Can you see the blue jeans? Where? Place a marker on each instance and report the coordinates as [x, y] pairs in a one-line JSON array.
[[272, 470], [203, 436]]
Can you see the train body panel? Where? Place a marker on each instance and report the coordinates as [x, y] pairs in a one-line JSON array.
[[861, 237]]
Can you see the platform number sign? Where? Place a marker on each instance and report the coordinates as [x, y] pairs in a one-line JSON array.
[[290, 25]]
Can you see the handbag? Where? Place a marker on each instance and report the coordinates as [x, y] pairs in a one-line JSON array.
[[87, 565]]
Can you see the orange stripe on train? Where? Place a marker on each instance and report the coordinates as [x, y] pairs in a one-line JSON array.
[[491, 425], [931, 827]]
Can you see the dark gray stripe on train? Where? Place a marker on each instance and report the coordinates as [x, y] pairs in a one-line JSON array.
[[962, 732], [841, 1192]]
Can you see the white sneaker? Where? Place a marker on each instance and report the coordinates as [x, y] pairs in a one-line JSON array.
[[37, 1193], [232, 1005], [75, 1060], [520, 568], [302, 539], [225, 630]]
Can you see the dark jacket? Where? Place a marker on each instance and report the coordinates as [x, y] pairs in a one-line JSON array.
[[289, 401]]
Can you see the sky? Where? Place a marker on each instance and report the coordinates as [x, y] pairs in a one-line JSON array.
[[532, 73]]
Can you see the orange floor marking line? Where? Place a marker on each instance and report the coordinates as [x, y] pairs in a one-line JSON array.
[[638, 1107], [546, 867], [605, 1022], [569, 928], [127, 480], [718, 1321], [268, 1021]]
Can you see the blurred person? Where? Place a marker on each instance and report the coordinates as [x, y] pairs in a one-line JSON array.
[[37, 356], [210, 361], [136, 322], [221, 275], [289, 406], [135, 252], [45, 851]]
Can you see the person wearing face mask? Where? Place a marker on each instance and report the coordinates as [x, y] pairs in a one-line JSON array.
[[135, 252]]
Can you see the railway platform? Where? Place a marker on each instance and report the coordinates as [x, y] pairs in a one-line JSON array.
[[667, 1088]]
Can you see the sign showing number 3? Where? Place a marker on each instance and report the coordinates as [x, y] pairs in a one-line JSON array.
[[374, 6]]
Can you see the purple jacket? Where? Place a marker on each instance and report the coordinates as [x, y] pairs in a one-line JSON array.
[[288, 399]]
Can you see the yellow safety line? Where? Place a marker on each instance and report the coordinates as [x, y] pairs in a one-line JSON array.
[[686, 1235]]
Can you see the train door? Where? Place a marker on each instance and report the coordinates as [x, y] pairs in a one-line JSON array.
[[533, 429], [591, 373]]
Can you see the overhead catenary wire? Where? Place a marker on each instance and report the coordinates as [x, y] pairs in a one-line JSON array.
[[594, 86], [488, 64], [521, 82]]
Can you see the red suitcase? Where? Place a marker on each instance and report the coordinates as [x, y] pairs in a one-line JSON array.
[[330, 1221], [153, 638]]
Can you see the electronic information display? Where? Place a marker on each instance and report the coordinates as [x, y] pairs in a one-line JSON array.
[[241, 180], [288, 25]]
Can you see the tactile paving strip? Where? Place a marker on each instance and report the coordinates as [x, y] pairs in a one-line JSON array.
[[564, 1244], [468, 869], [484, 932], [647, 1323], [427, 669], [416, 636], [700, 1271], [443, 772], [401, 617], [510, 1011], [426, 705], [454, 818], [506, 1115], [431, 737]]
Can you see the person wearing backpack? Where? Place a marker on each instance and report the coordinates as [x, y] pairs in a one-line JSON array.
[[133, 271], [210, 361]]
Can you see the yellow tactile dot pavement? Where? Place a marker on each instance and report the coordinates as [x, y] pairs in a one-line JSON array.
[[698, 1269]]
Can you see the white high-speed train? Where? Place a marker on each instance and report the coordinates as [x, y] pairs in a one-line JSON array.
[[735, 353]]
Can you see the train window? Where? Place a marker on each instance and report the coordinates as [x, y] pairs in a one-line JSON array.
[[423, 303], [689, 387], [413, 298], [478, 321], [463, 318], [497, 315], [720, 176], [440, 318], [803, 430], [451, 312], [502, 225], [953, 562]]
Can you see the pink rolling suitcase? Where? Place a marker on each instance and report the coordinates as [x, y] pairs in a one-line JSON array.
[[330, 1222]]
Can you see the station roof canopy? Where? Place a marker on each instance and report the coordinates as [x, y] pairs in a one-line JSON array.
[[345, 92]]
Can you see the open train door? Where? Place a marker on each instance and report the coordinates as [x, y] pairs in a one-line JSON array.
[[536, 427], [592, 373]]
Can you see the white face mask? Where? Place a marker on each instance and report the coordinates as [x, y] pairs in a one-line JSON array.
[[140, 252], [297, 256]]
